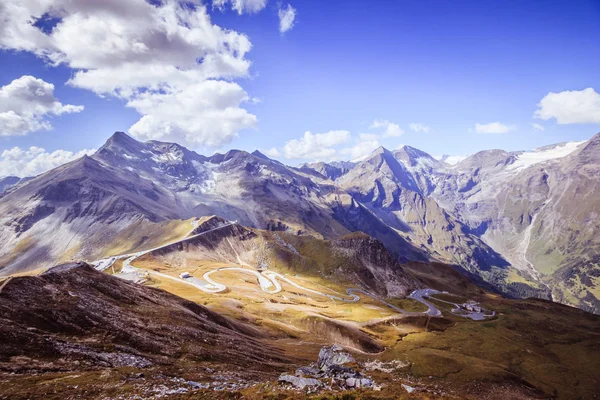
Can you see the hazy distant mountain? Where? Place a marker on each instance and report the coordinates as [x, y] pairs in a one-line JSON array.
[[539, 210], [527, 222], [8, 181]]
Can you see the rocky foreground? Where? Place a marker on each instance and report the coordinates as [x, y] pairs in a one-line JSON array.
[[329, 373], [77, 319], [75, 333]]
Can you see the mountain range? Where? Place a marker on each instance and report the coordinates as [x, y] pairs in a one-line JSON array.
[[524, 223]]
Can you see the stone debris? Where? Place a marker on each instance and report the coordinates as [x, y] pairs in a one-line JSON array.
[[106, 359], [197, 385], [172, 386], [387, 367], [409, 389], [299, 382], [329, 373]]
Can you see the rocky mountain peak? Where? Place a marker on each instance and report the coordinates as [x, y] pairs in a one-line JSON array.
[[384, 160], [412, 157], [258, 154], [235, 156], [121, 141], [488, 160], [325, 170], [379, 151], [590, 151]]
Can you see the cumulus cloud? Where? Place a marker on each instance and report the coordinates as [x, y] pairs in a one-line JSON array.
[[286, 15], [25, 105], [147, 54], [390, 129], [362, 149], [205, 114], [315, 146], [492, 127], [419, 128], [538, 127], [35, 160], [570, 107], [241, 6]]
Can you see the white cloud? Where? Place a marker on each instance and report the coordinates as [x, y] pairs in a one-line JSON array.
[[286, 15], [538, 127], [241, 6], [25, 105], [415, 127], [360, 150], [206, 114], [272, 152], [390, 129], [143, 53], [492, 127], [35, 160], [315, 146], [570, 107]]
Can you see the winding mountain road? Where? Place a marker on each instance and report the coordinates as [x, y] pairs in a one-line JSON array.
[[105, 263], [269, 281]]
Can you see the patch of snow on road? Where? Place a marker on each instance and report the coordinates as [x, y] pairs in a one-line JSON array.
[[529, 158]]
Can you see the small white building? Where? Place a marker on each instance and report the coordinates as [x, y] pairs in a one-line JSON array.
[[184, 275]]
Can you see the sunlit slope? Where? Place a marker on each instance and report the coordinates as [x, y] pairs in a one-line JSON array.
[[522, 353]]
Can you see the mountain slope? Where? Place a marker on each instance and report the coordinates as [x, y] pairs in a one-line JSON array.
[[385, 184], [538, 210], [73, 313], [525, 222]]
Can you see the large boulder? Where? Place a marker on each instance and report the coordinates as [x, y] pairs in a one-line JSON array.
[[333, 355]]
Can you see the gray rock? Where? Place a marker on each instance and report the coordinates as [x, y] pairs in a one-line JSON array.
[[197, 385], [365, 382], [307, 371], [333, 355], [351, 382], [340, 370], [409, 389], [299, 382]]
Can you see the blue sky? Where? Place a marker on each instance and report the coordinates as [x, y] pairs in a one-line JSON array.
[[342, 66]]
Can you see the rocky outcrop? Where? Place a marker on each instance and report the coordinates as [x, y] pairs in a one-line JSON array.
[[333, 355], [378, 269], [329, 373]]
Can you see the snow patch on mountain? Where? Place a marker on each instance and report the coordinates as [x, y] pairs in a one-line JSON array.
[[450, 160], [360, 159], [529, 158]]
